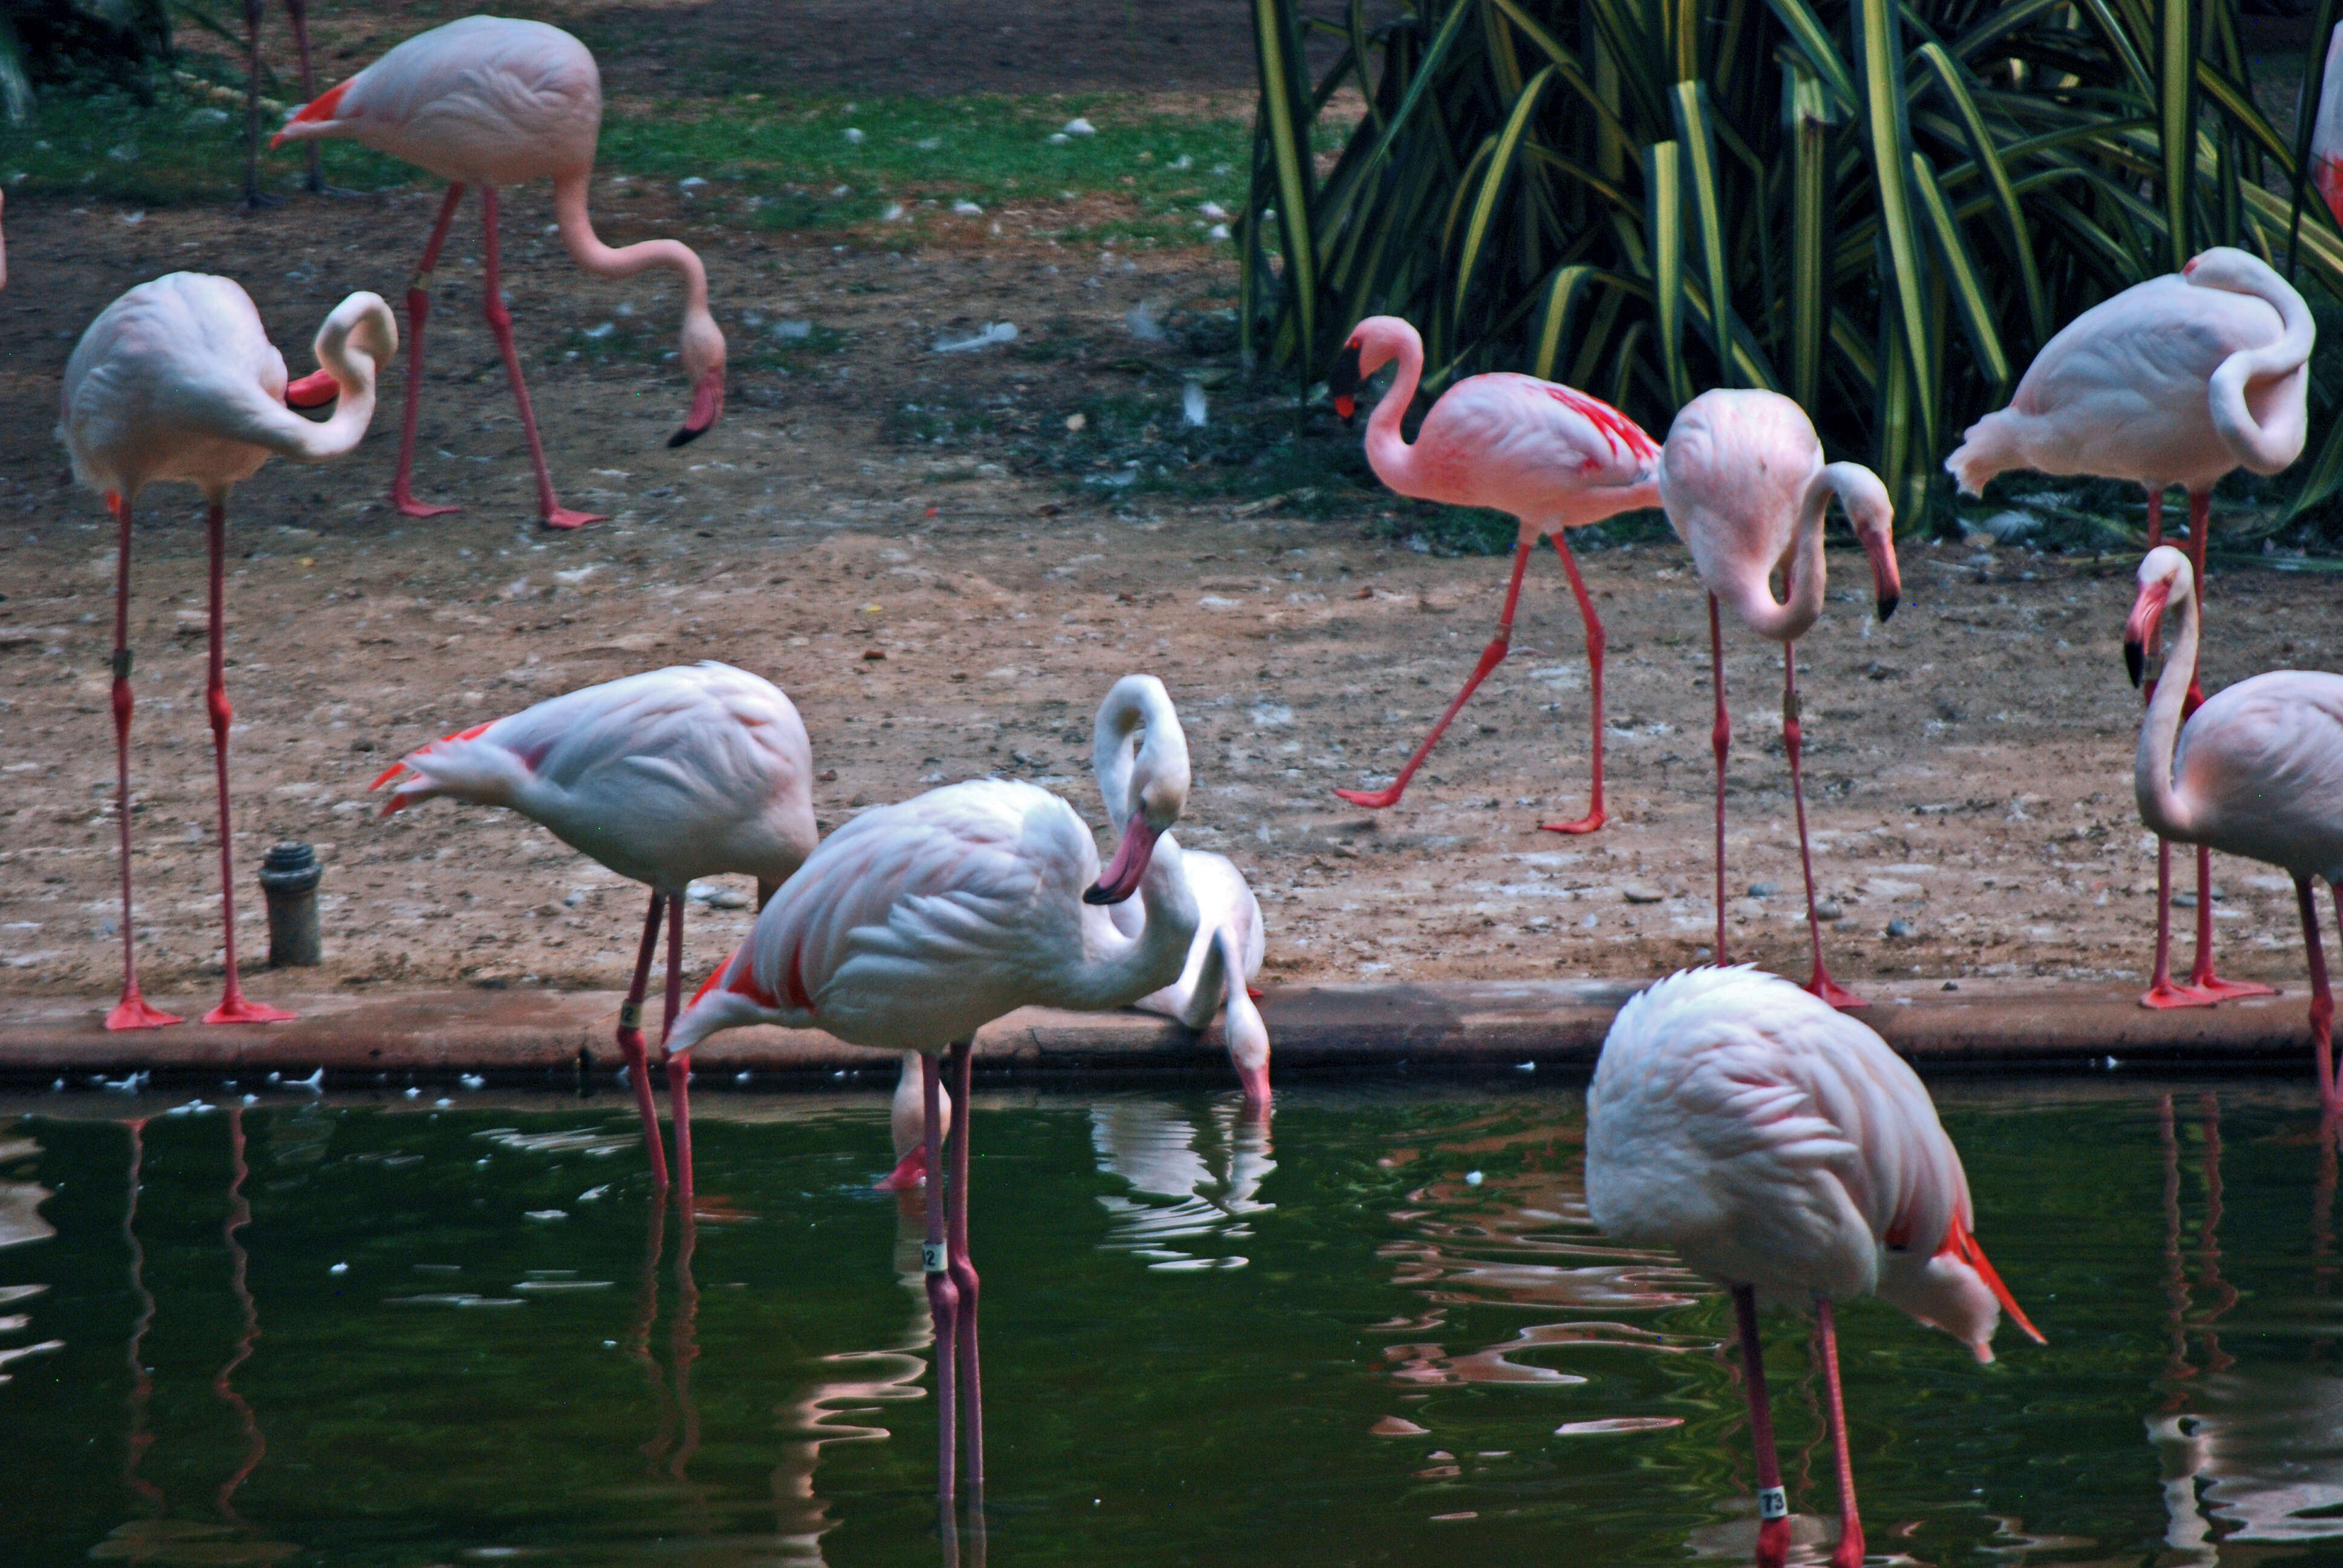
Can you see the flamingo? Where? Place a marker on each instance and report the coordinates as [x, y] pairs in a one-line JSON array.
[[490, 101], [666, 777], [2257, 771], [1228, 948], [2327, 130], [1782, 1148], [2175, 381], [176, 380], [915, 924], [1746, 487], [1551, 456]]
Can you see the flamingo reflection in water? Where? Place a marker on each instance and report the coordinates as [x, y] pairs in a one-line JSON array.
[[21, 1221], [157, 1536], [1210, 1192], [2252, 1452]]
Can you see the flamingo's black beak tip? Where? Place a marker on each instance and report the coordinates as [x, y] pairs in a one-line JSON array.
[[1887, 604], [1094, 894], [686, 437], [2135, 660]]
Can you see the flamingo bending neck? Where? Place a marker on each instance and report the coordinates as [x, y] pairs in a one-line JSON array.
[[1392, 457], [2161, 803], [702, 350]]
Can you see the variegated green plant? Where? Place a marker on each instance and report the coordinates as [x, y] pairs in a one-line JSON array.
[[1882, 210]]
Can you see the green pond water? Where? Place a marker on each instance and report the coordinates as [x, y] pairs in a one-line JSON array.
[[1193, 1329]]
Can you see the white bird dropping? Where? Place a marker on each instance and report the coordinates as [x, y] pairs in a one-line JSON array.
[[1191, 405]]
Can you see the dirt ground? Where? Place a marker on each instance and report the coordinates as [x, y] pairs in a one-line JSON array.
[[937, 616]]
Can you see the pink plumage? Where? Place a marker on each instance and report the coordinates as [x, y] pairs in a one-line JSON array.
[[2175, 381], [491, 101], [2327, 130], [915, 924], [698, 771], [1549, 454], [177, 381], [1779, 1146], [1746, 489], [2256, 770]]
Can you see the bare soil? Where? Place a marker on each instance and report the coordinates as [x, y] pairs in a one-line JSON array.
[[937, 615]]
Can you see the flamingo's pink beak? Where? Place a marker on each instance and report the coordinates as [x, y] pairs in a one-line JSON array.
[[1879, 544], [314, 390], [910, 1172], [707, 408], [1256, 1084], [2140, 632], [1120, 879]]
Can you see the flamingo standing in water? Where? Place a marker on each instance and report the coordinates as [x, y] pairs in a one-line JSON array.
[[176, 380], [2175, 381], [1229, 943], [489, 101], [1784, 1148], [915, 924], [665, 777], [2257, 771], [1746, 487], [1549, 454]]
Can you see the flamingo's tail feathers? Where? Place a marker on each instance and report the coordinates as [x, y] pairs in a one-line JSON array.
[[317, 110], [1964, 1246], [387, 774], [1982, 453]]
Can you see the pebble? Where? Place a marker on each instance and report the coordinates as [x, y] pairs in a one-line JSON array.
[[1829, 909], [1900, 928], [1764, 890], [1639, 893]]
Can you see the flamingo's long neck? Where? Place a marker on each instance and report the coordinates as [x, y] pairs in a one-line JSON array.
[[1393, 459], [2161, 804], [1119, 971], [267, 422], [1753, 599], [586, 247]]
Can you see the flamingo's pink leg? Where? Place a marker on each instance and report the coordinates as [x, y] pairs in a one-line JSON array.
[[1595, 816], [1491, 657], [1720, 740], [296, 12], [233, 1006], [1773, 1503], [630, 1042], [419, 310], [1849, 1552], [2322, 999], [1793, 742], [678, 1068], [964, 1272], [131, 1012], [2162, 990], [943, 1295], [2200, 973], [556, 515]]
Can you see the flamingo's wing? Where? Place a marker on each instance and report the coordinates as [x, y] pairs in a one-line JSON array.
[[2261, 764]]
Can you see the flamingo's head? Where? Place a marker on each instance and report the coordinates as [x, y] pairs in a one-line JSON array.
[[2225, 267], [1374, 344], [2163, 573], [702, 354], [1873, 517], [1157, 786]]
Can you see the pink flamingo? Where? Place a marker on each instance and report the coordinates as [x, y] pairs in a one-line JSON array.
[[915, 924], [2175, 381], [1230, 940], [489, 101], [1746, 487], [665, 777], [1784, 1148], [176, 380], [1549, 454], [2257, 771]]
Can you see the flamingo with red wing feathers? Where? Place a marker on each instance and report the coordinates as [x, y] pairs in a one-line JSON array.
[[491, 102], [1550, 455]]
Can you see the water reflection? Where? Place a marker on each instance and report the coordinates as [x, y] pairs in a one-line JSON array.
[[21, 1222], [1187, 1188]]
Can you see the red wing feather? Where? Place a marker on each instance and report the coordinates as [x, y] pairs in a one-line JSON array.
[[1964, 1246]]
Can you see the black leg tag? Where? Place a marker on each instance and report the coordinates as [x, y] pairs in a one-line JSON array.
[[121, 664]]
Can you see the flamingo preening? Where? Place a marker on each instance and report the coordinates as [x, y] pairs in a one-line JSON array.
[[2175, 381], [176, 380], [2256, 770], [915, 924], [1783, 1147], [1746, 487], [491, 102], [666, 777], [1551, 456]]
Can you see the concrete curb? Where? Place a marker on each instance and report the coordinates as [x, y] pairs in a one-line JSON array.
[[529, 1036]]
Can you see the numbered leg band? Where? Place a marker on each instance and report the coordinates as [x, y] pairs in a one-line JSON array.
[[1773, 1502], [931, 1258], [630, 1015]]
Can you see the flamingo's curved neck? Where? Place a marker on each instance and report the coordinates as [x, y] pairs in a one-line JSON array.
[[1787, 620], [586, 247], [267, 422], [2161, 804], [1116, 970], [1387, 452], [2269, 438]]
